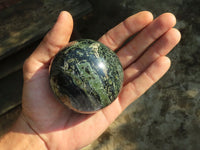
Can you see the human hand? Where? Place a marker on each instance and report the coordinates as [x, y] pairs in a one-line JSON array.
[[143, 60]]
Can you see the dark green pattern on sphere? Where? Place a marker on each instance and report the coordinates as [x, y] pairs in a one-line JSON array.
[[86, 76]]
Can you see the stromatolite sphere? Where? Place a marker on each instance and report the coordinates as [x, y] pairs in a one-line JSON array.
[[86, 76]]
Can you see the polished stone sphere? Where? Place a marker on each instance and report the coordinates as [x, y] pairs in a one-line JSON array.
[[86, 76]]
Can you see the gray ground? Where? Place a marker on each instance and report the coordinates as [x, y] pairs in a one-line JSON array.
[[167, 117]]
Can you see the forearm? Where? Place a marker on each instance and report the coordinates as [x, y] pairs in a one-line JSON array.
[[21, 137]]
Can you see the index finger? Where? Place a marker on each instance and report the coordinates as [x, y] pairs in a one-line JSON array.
[[115, 37]]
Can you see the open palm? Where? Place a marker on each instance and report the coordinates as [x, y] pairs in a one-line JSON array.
[[143, 60]]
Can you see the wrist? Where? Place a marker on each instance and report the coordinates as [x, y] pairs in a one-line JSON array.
[[50, 137], [22, 137]]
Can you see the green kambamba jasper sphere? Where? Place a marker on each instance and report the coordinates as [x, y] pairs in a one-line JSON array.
[[86, 76]]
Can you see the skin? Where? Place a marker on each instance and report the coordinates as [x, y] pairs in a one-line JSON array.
[[54, 126]]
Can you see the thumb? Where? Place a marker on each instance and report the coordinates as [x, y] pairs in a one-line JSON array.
[[54, 40]]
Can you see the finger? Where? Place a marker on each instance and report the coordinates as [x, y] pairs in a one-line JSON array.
[[129, 93], [54, 40], [136, 47], [144, 81], [162, 47], [115, 37]]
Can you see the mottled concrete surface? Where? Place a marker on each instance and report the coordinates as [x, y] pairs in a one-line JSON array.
[[167, 117]]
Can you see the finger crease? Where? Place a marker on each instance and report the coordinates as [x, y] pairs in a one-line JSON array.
[[111, 41], [126, 27], [150, 77], [105, 116], [130, 51], [51, 46], [134, 89]]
